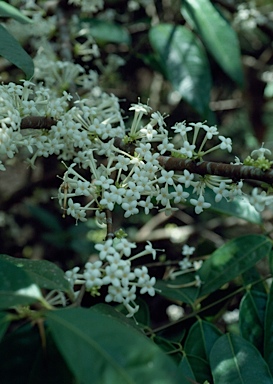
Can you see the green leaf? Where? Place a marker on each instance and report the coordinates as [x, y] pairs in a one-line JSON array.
[[42, 272], [200, 368], [251, 318], [184, 62], [98, 349], [268, 331], [18, 352], [49, 366], [107, 32], [185, 371], [46, 218], [234, 360], [7, 10], [4, 323], [231, 260], [174, 290], [16, 287], [217, 34], [239, 207], [11, 50], [201, 339]]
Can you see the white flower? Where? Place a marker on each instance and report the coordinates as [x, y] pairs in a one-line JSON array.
[[199, 204], [108, 200], [187, 149], [179, 195], [142, 275], [105, 249], [147, 205], [148, 287], [210, 131], [187, 178], [220, 191], [261, 152], [125, 246], [165, 146], [226, 143], [187, 251], [166, 177], [185, 264]]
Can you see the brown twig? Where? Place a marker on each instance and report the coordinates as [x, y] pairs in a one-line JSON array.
[[233, 171]]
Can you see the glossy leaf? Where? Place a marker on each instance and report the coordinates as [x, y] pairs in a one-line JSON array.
[[11, 50], [201, 339], [239, 207], [175, 290], [16, 286], [4, 323], [251, 318], [49, 366], [200, 368], [18, 351], [42, 272], [231, 260], [185, 371], [184, 63], [268, 331], [7, 10], [217, 34], [234, 360], [107, 32], [109, 351]]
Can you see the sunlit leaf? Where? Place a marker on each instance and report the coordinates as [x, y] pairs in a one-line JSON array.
[[105, 31], [217, 34], [201, 339], [11, 50], [184, 63], [110, 352], [16, 286], [235, 360], [7, 10], [231, 260], [251, 317], [42, 272]]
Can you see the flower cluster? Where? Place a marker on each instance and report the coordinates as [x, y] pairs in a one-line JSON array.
[[136, 179], [113, 268], [187, 266]]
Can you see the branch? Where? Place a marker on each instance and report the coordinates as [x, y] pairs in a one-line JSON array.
[[235, 172], [232, 171]]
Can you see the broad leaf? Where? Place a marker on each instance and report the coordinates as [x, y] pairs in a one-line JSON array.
[[217, 34], [239, 207], [184, 63], [18, 352], [177, 289], [16, 286], [4, 323], [49, 366], [251, 317], [7, 10], [42, 272], [185, 371], [268, 331], [99, 349], [234, 360], [201, 339], [107, 32], [200, 368], [11, 50], [231, 260]]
